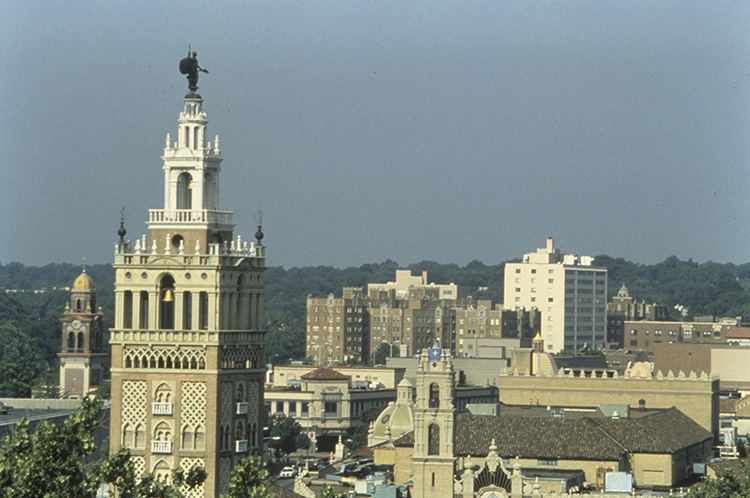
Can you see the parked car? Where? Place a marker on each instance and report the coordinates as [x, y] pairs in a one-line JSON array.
[[5, 409], [288, 472]]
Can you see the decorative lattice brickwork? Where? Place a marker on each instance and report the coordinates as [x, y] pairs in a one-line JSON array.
[[165, 358], [139, 463], [133, 405], [193, 405], [253, 391], [187, 464], [74, 381], [225, 411], [225, 472], [240, 357]]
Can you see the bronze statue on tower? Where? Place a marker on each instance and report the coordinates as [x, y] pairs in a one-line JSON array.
[[189, 65]]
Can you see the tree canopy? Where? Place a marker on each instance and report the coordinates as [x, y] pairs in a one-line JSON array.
[[287, 435], [56, 461], [702, 288]]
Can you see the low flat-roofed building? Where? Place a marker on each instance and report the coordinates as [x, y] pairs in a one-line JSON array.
[[382, 376]]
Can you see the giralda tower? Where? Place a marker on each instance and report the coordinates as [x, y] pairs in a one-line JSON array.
[[187, 344]]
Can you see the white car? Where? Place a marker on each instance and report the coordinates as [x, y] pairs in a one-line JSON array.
[[288, 472]]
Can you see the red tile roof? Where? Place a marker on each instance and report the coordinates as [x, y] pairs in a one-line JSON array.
[[739, 333], [324, 373]]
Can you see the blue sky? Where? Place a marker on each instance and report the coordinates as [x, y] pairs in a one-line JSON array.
[[447, 131]]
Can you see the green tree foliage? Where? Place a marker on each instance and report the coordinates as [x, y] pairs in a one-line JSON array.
[[705, 289], [328, 492], [56, 461], [289, 433], [20, 361], [380, 354], [249, 479], [725, 485]]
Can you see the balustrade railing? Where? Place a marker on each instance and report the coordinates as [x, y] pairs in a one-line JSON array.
[[161, 446]]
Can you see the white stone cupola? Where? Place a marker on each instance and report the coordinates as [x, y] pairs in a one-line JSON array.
[[192, 165]]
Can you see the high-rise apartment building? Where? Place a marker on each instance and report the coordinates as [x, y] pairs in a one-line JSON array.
[[569, 291], [407, 314], [337, 328], [478, 322], [188, 359]]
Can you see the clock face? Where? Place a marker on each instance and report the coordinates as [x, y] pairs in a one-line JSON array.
[[76, 324]]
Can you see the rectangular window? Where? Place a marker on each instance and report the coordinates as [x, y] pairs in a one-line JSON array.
[[203, 311], [292, 408], [187, 310], [331, 409], [304, 409], [143, 322], [127, 312], [279, 407]]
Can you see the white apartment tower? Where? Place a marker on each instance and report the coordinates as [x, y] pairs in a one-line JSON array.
[[188, 361], [570, 293]]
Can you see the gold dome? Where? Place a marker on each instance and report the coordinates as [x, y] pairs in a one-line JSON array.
[[83, 283]]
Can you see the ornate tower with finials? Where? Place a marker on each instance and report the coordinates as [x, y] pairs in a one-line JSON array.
[[434, 414], [187, 346], [82, 356]]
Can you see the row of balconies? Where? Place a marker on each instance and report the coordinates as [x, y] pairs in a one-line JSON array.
[[167, 408], [165, 447]]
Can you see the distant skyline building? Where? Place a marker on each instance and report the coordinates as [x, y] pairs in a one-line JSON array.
[[188, 358], [624, 307], [569, 291], [83, 351], [407, 314]]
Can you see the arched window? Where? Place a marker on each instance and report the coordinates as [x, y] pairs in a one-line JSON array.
[[200, 437], [140, 437], [434, 396], [81, 341], [166, 302], [163, 394], [188, 440], [185, 191], [433, 440], [127, 435], [71, 341], [162, 472]]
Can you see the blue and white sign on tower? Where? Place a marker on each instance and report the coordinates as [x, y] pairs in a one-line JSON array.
[[435, 353]]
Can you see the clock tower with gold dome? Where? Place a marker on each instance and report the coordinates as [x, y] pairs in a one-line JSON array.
[[83, 354], [188, 359]]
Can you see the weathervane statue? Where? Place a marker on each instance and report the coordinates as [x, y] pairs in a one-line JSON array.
[[189, 65]]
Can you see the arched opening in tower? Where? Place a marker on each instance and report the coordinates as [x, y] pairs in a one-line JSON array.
[[166, 302], [185, 191]]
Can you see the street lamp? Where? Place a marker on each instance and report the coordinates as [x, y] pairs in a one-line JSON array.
[[321, 353], [397, 341]]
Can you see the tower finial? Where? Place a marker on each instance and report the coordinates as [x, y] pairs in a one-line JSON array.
[[84, 265], [121, 231], [259, 221]]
